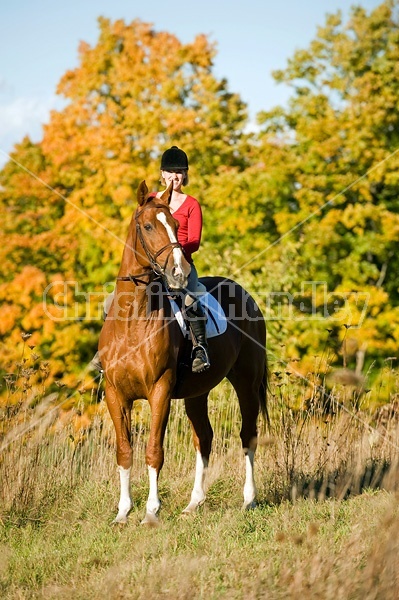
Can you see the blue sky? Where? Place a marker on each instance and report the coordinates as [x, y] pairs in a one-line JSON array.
[[39, 41]]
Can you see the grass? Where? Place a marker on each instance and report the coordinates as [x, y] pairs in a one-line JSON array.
[[327, 523], [289, 550]]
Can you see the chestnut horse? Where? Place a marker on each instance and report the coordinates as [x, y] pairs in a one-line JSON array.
[[142, 351]]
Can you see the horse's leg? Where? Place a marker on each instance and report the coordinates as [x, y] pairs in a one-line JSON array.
[[248, 396], [121, 416], [160, 407], [197, 412]]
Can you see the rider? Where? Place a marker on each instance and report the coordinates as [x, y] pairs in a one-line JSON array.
[[187, 211]]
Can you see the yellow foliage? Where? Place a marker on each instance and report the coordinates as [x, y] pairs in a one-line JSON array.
[[8, 316], [34, 318]]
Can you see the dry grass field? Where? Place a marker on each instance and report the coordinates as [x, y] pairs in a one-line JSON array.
[[326, 525]]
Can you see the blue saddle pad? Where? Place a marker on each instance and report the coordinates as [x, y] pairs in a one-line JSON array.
[[216, 323]]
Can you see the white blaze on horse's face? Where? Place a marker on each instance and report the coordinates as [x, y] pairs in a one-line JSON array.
[[179, 273]]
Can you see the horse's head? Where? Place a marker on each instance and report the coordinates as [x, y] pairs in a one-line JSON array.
[[157, 234]]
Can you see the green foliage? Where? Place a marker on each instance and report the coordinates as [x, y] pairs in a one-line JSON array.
[[337, 165]]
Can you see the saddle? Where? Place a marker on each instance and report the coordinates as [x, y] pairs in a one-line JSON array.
[[216, 322]]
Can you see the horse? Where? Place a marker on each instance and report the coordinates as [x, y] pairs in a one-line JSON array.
[[143, 351]]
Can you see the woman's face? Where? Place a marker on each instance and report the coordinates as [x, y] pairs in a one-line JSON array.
[[177, 176]]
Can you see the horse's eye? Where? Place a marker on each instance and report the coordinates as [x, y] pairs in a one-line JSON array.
[[148, 227]]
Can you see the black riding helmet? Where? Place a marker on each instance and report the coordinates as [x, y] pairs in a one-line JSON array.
[[174, 158]]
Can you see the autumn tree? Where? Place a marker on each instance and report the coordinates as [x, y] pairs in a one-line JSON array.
[[67, 201], [37, 305], [329, 177], [134, 94]]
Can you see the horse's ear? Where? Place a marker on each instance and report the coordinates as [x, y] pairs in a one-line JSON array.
[[167, 194], [142, 193]]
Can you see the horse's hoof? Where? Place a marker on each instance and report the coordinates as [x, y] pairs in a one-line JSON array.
[[250, 505], [189, 510], [120, 520], [150, 520], [192, 507]]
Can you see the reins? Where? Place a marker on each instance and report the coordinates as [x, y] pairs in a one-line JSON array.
[[135, 278]]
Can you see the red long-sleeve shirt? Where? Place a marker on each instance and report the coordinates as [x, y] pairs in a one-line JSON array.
[[189, 216]]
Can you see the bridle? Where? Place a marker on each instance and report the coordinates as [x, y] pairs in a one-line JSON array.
[[156, 267]]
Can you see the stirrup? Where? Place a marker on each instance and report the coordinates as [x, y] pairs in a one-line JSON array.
[[200, 359]]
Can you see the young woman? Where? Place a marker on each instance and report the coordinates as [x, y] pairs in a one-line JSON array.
[[187, 211]]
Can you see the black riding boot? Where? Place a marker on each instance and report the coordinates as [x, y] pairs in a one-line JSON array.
[[197, 322]]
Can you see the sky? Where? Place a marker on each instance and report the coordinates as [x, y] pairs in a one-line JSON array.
[[39, 42]]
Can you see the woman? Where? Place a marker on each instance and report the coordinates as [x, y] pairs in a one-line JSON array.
[[187, 211]]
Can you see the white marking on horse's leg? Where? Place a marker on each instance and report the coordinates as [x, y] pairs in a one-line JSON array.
[[198, 493], [125, 503], [153, 502], [249, 486], [177, 252]]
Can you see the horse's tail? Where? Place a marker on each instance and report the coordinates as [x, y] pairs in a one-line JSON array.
[[264, 387]]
